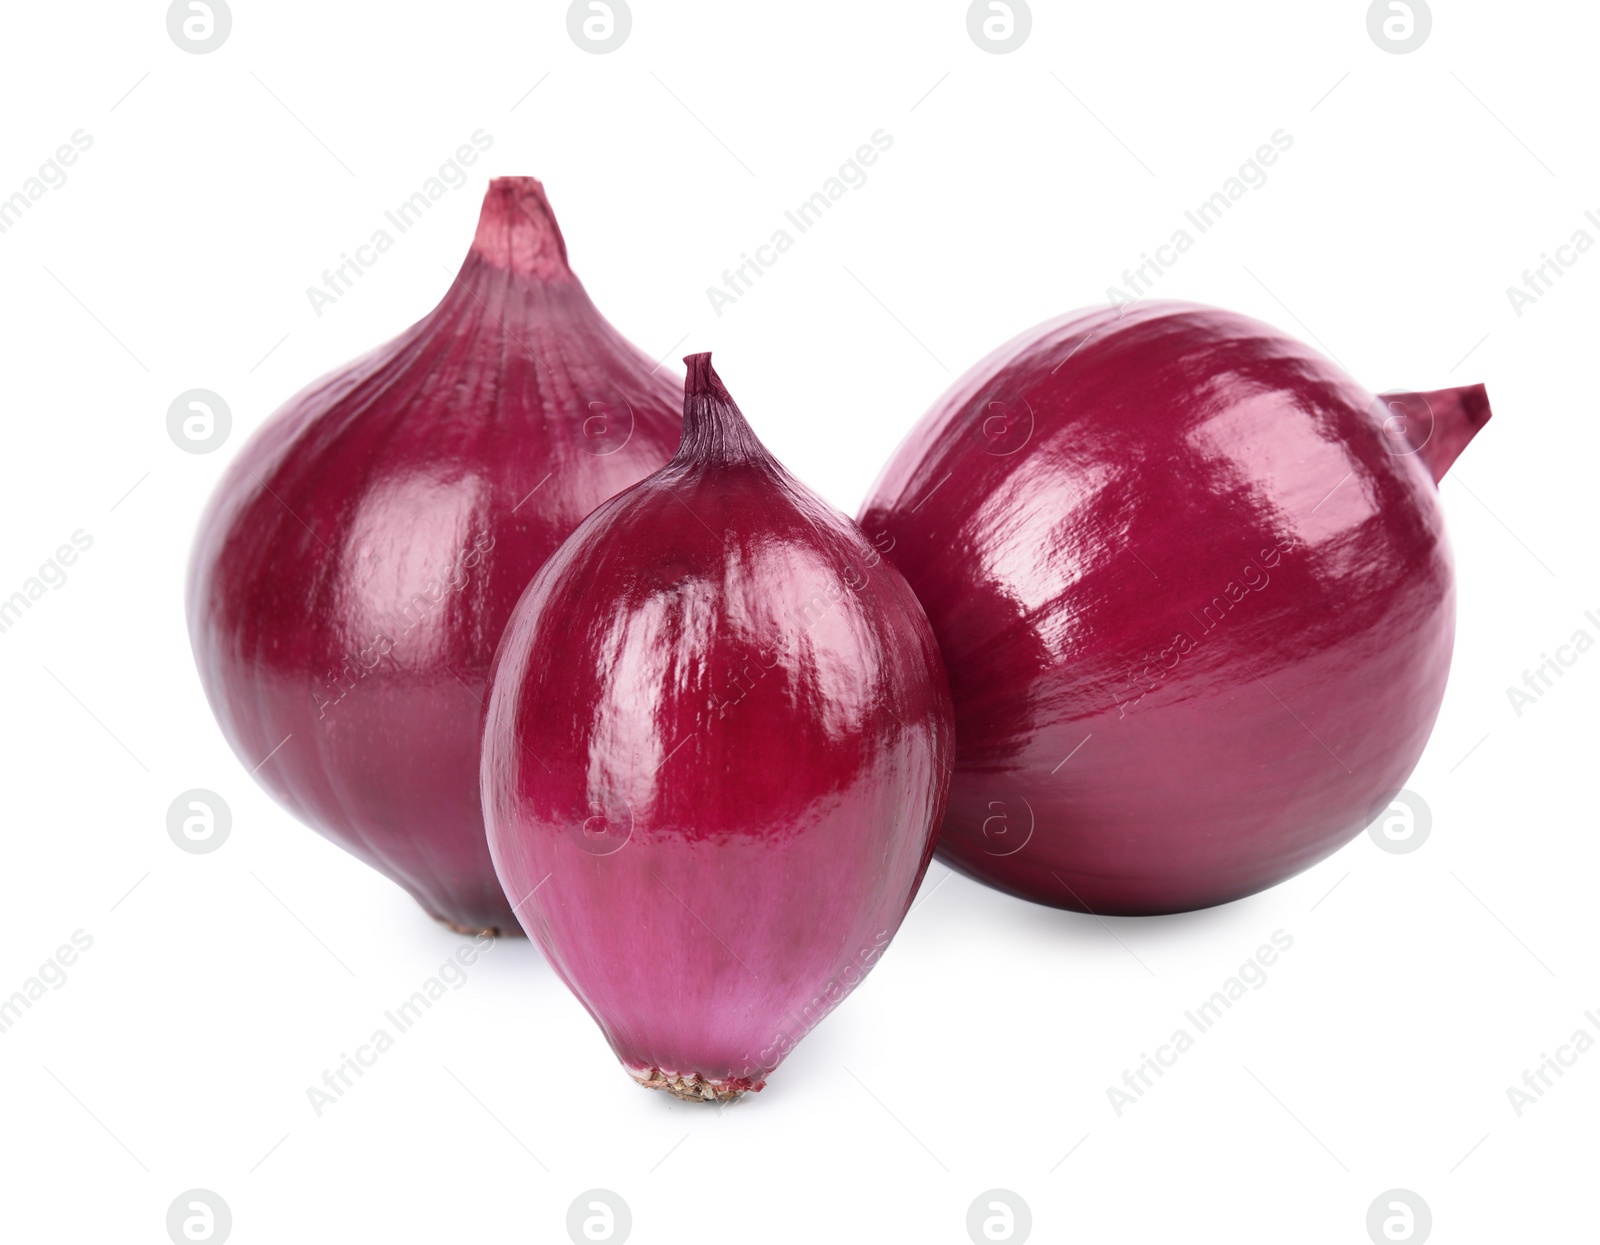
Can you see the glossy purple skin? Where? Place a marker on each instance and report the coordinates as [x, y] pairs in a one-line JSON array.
[[1194, 598], [357, 564], [715, 759]]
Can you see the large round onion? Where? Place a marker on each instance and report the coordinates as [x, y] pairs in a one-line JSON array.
[[358, 562], [715, 758], [1192, 589]]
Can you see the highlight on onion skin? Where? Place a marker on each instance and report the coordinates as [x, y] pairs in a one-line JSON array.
[[358, 562], [715, 759], [1191, 585]]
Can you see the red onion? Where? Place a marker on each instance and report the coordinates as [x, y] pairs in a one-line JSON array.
[[715, 758], [1192, 589], [359, 561]]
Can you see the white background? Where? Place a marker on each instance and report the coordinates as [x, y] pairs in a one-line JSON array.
[[1419, 987]]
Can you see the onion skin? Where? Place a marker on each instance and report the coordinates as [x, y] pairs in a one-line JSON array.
[[715, 759], [359, 560], [1193, 556]]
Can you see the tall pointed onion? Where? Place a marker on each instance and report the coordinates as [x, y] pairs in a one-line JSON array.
[[1193, 593], [357, 564], [715, 757]]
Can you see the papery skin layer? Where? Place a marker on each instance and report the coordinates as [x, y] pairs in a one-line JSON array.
[[358, 562], [1194, 597], [715, 758]]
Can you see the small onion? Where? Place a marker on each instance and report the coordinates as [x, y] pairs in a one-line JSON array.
[[715, 758], [1193, 593], [358, 562]]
